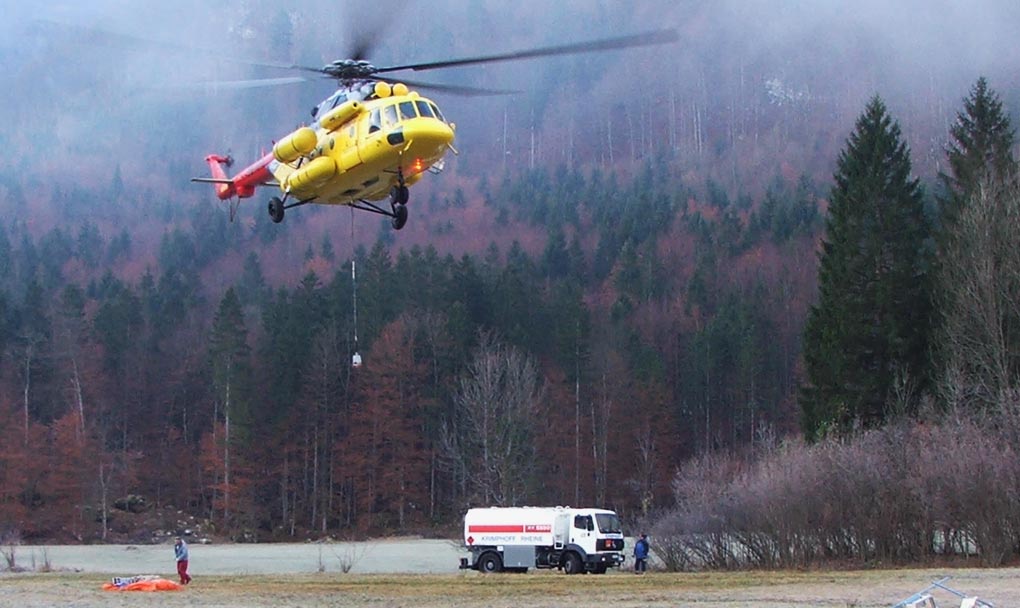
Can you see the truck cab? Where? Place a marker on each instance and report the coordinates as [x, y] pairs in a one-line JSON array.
[[595, 542]]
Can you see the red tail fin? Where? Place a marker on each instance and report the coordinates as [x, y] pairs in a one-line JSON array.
[[224, 185], [241, 185]]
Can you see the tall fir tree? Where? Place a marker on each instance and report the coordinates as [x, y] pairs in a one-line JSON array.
[[981, 150], [387, 453], [251, 287], [229, 354], [866, 340], [4, 329], [34, 345], [6, 264]]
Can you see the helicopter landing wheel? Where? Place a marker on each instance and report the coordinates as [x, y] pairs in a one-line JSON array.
[[276, 209], [399, 195], [399, 216]]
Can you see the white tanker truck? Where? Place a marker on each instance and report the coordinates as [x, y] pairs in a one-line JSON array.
[[517, 538]]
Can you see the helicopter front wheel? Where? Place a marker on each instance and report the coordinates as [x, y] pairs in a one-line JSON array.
[[399, 195], [276, 209], [399, 216]]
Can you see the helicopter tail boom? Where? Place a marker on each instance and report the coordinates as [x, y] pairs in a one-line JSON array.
[[241, 185]]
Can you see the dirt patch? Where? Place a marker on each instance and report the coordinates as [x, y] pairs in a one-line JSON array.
[[423, 574]]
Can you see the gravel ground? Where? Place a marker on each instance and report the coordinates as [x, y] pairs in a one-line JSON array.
[[423, 574]]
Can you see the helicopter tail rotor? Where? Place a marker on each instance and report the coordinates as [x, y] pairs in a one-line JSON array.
[[225, 187]]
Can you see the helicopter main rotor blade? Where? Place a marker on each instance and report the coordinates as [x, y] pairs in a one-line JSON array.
[[254, 83], [644, 39], [452, 89]]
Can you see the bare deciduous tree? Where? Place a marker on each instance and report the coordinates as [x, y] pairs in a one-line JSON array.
[[10, 540], [981, 306], [492, 438]]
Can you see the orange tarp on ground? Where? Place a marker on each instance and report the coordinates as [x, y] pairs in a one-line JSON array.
[[158, 584]]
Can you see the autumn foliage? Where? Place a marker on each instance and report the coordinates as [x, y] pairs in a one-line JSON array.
[[240, 404]]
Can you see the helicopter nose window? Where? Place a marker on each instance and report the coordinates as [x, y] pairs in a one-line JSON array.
[[389, 114], [407, 110], [373, 121], [424, 109], [435, 110]]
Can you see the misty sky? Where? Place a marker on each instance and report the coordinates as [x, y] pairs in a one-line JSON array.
[[951, 35], [732, 51]]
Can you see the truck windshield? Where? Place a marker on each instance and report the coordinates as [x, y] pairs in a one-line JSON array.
[[608, 523]]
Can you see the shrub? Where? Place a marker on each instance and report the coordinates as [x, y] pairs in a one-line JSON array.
[[906, 493]]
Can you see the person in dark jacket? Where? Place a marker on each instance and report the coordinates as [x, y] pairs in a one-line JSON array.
[[181, 554], [641, 555]]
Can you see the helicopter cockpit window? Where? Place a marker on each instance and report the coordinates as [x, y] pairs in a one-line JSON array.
[[389, 114], [407, 110], [435, 110], [374, 123], [424, 109]]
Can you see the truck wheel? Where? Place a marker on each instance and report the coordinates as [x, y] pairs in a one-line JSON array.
[[490, 562], [571, 564]]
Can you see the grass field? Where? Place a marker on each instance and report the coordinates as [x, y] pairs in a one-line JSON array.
[[1001, 587]]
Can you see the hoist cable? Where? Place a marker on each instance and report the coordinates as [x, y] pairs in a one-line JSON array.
[[354, 284]]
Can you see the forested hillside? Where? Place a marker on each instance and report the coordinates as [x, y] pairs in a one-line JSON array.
[[676, 333], [612, 277]]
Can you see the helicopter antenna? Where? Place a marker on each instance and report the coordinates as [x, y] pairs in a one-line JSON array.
[[356, 358]]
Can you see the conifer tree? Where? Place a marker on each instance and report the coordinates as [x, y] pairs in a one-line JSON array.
[[6, 265], [3, 326], [251, 287], [555, 262], [981, 149], [376, 284], [283, 348], [388, 454], [228, 351], [866, 340], [33, 341], [328, 252]]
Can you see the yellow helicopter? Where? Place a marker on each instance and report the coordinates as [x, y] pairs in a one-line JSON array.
[[374, 137]]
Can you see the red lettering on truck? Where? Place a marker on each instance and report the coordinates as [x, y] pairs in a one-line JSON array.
[[496, 528]]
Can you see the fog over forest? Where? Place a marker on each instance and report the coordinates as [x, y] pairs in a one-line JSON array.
[[734, 62]]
